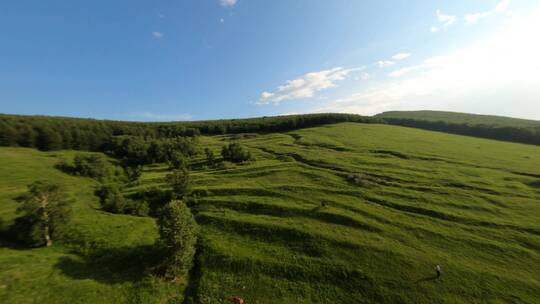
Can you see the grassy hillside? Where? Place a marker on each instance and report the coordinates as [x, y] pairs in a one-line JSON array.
[[487, 126], [99, 257], [462, 118], [345, 213]]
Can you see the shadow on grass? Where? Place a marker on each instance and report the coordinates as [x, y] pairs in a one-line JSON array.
[[117, 265], [429, 278], [195, 274], [535, 184]]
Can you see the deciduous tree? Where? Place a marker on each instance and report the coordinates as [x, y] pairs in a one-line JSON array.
[[177, 237], [45, 206], [179, 181]]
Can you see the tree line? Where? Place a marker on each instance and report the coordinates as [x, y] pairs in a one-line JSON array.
[[55, 133]]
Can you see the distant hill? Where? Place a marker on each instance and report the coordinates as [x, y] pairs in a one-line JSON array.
[[487, 126]]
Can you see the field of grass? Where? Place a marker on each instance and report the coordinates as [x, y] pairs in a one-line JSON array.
[[483, 126], [100, 256], [291, 226]]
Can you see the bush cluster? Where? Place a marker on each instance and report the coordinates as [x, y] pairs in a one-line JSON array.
[[112, 200], [235, 153]]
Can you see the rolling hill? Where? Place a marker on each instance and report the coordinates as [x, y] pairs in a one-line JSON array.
[[487, 126], [339, 213]]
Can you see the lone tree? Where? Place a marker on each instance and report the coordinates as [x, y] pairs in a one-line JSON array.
[[177, 238], [179, 181], [45, 206]]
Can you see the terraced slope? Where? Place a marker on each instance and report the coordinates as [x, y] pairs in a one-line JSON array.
[[346, 213], [291, 228]]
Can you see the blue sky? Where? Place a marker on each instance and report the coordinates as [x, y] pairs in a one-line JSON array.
[[209, 59]]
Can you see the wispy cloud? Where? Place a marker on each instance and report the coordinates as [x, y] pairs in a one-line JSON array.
[[157, 35], [385, 63], [306, 86], [401, 56], [228, 3], [363, 76], [396, 57], [444, 20], [160, 117], [427, 64], [499, 8]]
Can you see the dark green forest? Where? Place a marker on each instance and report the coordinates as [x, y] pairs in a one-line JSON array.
[[55, 133]]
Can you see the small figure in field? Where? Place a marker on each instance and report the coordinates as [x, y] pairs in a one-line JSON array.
[[438, 270], [237, 300]]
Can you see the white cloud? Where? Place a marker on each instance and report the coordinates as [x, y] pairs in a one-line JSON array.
[[161, 117], [228, 3], [401, 56], [499, 8], [497, 74], [157, 35], [384, 63], [502, 6], [221, 20], [446, 20], [266, 95], [306, 86]]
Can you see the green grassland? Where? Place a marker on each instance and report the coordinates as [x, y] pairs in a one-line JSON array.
[[483, 126], [100, 255], [291, 227]]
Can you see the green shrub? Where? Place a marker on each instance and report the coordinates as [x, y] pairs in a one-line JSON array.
[[360, 180], [210, 158], [154, 197], [179, 181], [111, 198], [142, 209], [235, 153], [133, 172], [177, 160], [94, 165]]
